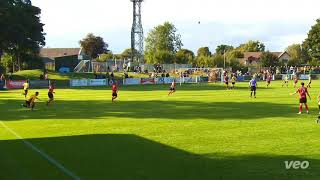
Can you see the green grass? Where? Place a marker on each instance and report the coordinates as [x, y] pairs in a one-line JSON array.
[[35, 75], [202, 132]]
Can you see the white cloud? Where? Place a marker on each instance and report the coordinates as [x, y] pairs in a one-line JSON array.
[[227, 21]]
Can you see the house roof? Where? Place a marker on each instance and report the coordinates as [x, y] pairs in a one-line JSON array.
[[58, 52], [257, 55]]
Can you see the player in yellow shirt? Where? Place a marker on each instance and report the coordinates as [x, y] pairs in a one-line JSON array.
[[233, 81], [25, 88], [309, 83], [285, 81], [30, 103]]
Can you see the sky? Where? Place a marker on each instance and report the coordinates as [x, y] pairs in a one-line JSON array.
[[276, 23]]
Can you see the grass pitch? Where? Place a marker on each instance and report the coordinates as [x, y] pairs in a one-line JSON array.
[[202, 132]]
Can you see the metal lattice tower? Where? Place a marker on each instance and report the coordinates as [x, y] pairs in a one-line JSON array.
[[137, 33]]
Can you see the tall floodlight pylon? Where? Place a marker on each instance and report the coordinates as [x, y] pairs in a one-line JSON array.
[[137, 33]]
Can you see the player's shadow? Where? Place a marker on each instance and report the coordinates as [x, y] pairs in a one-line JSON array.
[[130, 157], [139, 110]]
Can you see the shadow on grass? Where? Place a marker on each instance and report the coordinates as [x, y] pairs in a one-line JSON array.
[[129, 157], [162, 110]]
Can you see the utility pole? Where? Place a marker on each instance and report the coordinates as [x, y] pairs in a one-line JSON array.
[[137, 33], [224, 59]]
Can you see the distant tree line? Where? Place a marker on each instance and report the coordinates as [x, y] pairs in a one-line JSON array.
[[164, 45]]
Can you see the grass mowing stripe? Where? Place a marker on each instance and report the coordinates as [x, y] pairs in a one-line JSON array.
[[44, 155]]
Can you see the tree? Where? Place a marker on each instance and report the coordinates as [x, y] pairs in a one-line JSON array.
[[234, 54], [235, 64], [117, 57], [205, 61], [127, 53], [221, 49], [204, 57], [7, 62], [162, 57], [312, 43], [298, 54], [294, 62], [105, 56], [252, 46], [93, 45], [268, 59], [218, 60], [184, 56], [2, 69], [21, 33], [203, 51], [314, 62], [162, 41]]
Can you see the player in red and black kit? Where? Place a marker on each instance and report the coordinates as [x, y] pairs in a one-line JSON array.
[[226, 81], [303, 91], [50, 93], [114, 92], [269, 78]]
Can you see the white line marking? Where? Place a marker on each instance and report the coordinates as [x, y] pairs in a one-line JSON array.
[[44, 155]]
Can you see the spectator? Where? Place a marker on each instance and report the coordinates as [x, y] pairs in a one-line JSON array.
[[46, 76], [112, 75], [126, 75], [167, 75], [124, 66], [162, 75], [2, 78]]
